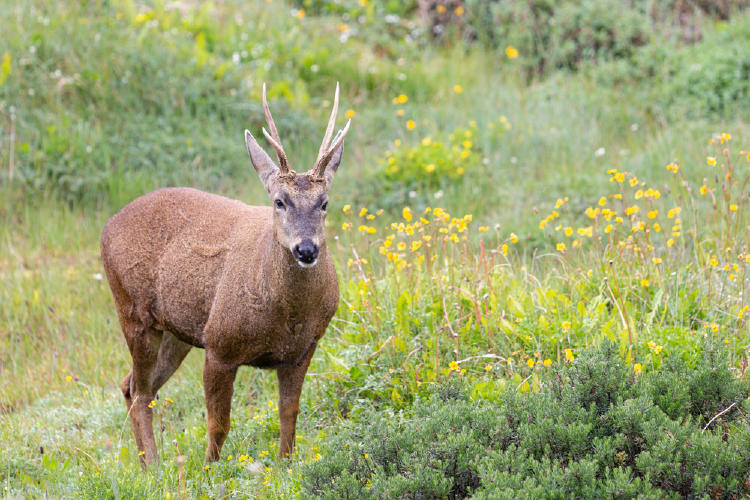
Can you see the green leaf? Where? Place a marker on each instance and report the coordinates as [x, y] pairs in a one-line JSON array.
[[5, 68], [338, 364]]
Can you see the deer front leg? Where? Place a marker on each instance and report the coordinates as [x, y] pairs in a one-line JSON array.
[[290, 388], [218, 385]]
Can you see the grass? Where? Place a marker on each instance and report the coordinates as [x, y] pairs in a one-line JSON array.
[[497, 306]]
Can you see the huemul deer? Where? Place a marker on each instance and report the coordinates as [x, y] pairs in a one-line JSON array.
[[250, 285]]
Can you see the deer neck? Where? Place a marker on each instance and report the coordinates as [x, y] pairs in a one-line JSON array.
[[300, 284]]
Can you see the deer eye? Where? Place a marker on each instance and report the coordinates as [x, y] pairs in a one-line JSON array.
[[279, 203], [324, 206]]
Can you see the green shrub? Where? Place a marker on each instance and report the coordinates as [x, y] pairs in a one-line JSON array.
[[432, 163], [554, 34], [596, 429], [713, 78], [706, 80]]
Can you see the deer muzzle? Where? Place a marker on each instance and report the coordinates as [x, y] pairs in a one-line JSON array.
[[306, 253]]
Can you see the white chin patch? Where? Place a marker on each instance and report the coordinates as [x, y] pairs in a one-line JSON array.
[[305, 264]]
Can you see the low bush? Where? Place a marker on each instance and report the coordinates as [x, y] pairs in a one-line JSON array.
[[702, 80], [432, 162], [555, 34], [596, 428]]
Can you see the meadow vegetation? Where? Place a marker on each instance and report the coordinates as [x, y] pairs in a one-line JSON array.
[[543, 255]]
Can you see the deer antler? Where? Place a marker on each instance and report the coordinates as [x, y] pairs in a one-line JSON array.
[[320, 168], [325, 152], [273, 137]]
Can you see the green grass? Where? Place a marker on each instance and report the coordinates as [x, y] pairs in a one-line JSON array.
[[157, 100]]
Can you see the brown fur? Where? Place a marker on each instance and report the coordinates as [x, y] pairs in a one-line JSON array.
[[193, 269]]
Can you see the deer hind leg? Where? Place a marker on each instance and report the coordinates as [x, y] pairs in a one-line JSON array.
[[127, 388], [171, 353], [218, 384], [290, 388], [144, 348]]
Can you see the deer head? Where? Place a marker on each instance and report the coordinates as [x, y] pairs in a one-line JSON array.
[[299, 200]]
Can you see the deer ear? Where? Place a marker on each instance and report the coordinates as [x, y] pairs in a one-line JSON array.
[[262, 163], [333, 164]]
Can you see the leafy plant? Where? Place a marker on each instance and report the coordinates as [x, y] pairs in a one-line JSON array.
[[592, 431], [433, 163]]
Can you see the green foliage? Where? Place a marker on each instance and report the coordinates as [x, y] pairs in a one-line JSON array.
[[560, 34], [564, 34], [433, 163], [351, 9], [163, 93], [713, 78], [593, 431], [704, 79]]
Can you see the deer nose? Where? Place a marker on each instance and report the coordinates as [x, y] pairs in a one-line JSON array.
[[305, 251]]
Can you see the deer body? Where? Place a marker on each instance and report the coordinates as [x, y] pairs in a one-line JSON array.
[[204, 292], [250, 285]]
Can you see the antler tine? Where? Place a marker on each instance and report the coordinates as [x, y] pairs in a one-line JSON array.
[[274, 136], [283, 162], [323, 162], [329, 129]]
